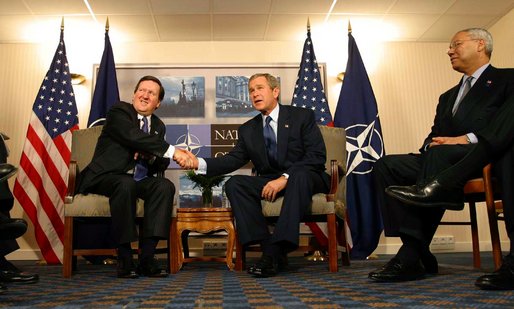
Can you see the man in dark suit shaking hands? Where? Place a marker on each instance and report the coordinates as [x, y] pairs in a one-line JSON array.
[[287, 149], [462, 114], [130, 150]]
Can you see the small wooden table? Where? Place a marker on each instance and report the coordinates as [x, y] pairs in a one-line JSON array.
[[201, 220]]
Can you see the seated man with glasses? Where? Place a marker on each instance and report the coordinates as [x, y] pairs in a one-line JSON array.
[[461, 112]]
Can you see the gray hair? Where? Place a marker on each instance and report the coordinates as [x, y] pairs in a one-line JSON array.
[[481, 34]]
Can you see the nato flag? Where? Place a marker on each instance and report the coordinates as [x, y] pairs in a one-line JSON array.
[[357, 112]]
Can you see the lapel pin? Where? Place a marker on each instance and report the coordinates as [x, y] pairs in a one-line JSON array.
[[286, 126], [489, 82]]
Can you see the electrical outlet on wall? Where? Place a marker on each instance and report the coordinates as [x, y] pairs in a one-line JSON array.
[[446, 242]]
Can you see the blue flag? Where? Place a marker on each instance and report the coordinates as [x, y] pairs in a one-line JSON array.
[[308, 92], [106, 88], [357, 112]]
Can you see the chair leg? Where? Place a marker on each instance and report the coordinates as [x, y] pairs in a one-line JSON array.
[[174, 248], [68, 247], [495, 237], [342, 242], [240, 256], [474, 235], [332, 243]]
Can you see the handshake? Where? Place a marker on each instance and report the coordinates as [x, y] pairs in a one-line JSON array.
[[185, 159]]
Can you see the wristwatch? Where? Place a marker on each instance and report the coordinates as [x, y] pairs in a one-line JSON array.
[[467, 139]]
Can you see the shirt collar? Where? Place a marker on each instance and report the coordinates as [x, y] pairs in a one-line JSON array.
[[274, 114], [476, 74]]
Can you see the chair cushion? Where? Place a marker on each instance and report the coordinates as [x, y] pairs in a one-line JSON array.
[[319, 206], [94, 205]]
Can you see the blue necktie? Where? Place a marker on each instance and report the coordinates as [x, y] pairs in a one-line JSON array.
[[271, 142], [141, 169]]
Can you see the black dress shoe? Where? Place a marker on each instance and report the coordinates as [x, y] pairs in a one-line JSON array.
[[432, 194], [501, 279], [12, 276], [264, 268], [282, 263], [127, 269], [151, 268], [430, 264], [6, 171], [396, 271]]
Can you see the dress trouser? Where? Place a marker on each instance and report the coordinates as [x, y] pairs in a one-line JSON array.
[[123, 192], [244, 194], [6, 204], [411, 169]]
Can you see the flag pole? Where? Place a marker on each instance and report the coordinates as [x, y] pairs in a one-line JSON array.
[[349, 27], [308, 25], [62, 24], [107, 24]]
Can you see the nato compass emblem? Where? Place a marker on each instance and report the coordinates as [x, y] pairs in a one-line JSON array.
[[365, 146], [189, 142]]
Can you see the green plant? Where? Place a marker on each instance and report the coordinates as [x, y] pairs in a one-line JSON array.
[[205, 184]]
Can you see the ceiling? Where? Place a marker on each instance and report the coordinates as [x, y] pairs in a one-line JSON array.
[[248, 20]]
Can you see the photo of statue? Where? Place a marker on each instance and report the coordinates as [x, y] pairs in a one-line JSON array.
[[184, 97]]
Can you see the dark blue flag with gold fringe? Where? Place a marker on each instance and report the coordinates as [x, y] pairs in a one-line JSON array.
[[106, 88], [357, 112]]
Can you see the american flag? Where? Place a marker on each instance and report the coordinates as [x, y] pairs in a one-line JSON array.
[[308, 92], [42, 179]]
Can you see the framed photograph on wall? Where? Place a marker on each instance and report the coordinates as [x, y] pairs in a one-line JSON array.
[[206, 87]]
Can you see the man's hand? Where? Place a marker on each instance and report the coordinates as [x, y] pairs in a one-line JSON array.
[[272, 188], [185, 159], [144, 156], [446, 140]]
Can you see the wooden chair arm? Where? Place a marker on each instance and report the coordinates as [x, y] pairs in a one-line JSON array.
[[72, 179], [335, 170]]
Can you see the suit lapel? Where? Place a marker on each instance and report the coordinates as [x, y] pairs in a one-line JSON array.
[[155, 129], [283, 133], [480, 88], [258, 137]]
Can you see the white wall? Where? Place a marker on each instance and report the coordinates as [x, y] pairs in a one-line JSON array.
[[407, 79]]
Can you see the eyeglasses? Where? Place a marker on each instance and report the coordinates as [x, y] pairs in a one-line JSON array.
[[455, 44]]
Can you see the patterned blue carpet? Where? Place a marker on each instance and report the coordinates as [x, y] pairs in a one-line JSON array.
[[209, 284]]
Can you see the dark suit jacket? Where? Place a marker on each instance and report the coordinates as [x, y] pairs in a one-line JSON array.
[[120, 139], [299, 143], [477, 108]]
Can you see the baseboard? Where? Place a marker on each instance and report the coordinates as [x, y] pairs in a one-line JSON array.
[[389, 249], [459, 247]]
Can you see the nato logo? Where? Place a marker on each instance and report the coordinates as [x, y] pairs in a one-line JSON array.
[[205, 141], [365, 146]]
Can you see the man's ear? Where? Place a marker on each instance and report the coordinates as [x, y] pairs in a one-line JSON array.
[[276, 92]]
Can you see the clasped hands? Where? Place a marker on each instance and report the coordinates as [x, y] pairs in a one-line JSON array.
[[185, 159], [448, 140]]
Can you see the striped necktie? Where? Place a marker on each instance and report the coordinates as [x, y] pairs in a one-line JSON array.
[[465, 89]]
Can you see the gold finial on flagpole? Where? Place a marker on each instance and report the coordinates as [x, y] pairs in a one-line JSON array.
[[62, 24], [308, 24], [349, 27], [107, 24]]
